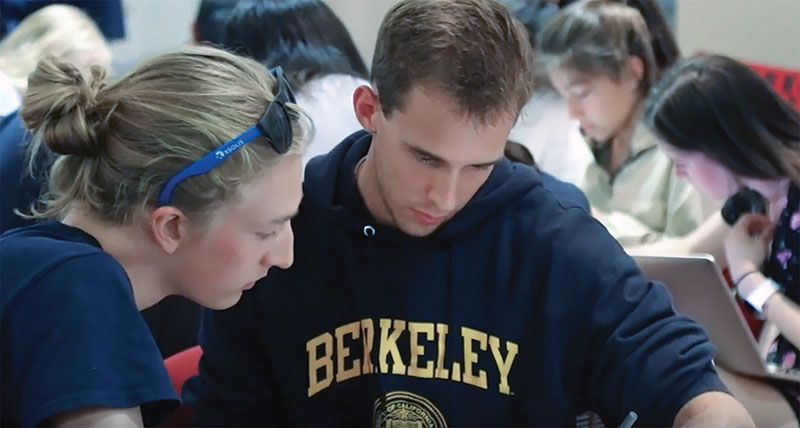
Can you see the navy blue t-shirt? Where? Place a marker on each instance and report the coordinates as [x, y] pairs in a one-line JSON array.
[[173, 322], [520, 311], [70, 333], [19, 189]]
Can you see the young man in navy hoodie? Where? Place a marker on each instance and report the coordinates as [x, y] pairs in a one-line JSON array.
[[437, 284]]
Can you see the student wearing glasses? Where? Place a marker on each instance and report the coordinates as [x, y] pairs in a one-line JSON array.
[[178, 179], [313, 46]]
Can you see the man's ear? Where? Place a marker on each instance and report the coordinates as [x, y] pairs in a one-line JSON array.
[[367, 107], [169, 227]]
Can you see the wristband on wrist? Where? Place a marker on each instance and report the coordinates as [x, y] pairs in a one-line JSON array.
[[759, 296], [741, 278]]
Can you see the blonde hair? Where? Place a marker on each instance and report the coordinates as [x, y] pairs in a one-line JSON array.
[[119, 143], [61, 31]]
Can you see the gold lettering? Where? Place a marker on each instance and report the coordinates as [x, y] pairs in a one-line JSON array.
[[469, 335], [368, 330], [343, 352], [389, 345], [504, 367], [441, 371], [414, 329], [322, 372], [317, 362]]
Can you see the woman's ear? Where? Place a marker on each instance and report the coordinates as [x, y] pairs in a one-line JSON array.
[[169, 227], [634, 71]]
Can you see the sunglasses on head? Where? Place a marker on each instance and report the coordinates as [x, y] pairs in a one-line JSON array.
[[275, 125]]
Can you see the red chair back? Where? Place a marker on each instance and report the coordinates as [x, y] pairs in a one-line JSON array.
[[180, 367]]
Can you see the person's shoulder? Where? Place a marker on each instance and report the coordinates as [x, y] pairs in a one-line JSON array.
[[328, 102], [549, 226], [47, 240], [330, 85], [80, 309], [12, 129], [13, 142], [547, 192], [558, 213], [96, 274], [567, 193], [33, 261]]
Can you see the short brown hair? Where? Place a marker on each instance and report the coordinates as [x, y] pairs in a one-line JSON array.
[[473, 50]]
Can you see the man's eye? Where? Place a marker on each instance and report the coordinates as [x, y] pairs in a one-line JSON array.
[[265, 236], [426, 159]]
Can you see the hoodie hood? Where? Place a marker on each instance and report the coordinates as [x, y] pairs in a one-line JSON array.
[[330, 184]]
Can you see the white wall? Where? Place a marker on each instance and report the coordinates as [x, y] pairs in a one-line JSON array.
[[155, 26], [764, 31], [362, 18], [152, 27]]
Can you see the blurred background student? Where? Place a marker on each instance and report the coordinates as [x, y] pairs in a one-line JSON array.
[[600, 57], [726, 129], [108, 14], [317, 52], [58, 30]]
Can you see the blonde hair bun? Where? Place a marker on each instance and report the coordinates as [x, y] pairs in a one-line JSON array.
[[61, 108]]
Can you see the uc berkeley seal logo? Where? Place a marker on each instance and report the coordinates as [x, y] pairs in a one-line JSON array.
[[402, 409]]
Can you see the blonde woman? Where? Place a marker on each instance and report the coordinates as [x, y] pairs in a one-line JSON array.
[[178, 179], [59, 30]]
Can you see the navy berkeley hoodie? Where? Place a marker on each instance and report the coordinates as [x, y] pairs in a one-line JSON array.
[[522, 310]]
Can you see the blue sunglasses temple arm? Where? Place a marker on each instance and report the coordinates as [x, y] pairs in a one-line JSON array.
[[207, 163], [275, 125]]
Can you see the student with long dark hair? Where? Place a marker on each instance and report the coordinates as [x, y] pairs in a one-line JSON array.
[[297, 28], [315, 49], [209, 24], [726, 129], [545, 127], [600, 56]]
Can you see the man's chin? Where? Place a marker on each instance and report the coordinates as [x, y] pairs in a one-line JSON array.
[[418, 230]]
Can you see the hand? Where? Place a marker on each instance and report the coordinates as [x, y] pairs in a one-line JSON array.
[[747, 244]]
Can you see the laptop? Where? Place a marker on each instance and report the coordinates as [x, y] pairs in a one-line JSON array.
[[700, 292]]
